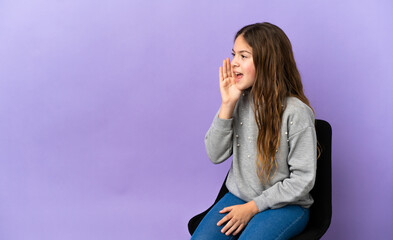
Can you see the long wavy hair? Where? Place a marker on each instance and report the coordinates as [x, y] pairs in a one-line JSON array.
[[276, 77]]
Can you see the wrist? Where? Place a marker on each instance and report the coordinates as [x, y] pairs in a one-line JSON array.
[[253, 207], [226, 110], [228, 106]]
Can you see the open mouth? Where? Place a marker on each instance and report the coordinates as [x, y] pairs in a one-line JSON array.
[[238, 76]]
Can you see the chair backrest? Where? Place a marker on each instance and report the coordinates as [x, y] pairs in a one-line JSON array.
[[321, 210]]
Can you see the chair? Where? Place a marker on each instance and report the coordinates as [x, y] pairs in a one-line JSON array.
[[321, 209]]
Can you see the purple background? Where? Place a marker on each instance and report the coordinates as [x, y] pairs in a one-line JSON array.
[[104, 106]]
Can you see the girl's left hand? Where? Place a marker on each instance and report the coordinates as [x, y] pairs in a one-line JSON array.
[[238, 217]]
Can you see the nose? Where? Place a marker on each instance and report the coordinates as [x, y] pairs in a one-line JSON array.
[[234, 62]]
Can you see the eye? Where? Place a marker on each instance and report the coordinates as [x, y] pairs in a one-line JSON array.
[[243, 56], [233, 54]]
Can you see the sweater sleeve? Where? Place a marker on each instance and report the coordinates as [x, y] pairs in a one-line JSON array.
[[218, 139], [302, 165]]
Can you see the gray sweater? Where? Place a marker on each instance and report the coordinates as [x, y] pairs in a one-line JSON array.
[[296, 155]]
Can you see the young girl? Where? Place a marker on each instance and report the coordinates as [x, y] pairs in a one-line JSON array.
[[267, 123]]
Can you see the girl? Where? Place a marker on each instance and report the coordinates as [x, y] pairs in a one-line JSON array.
[[267, 123]]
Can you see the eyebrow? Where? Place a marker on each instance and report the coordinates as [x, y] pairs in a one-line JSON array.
[[241, 51]]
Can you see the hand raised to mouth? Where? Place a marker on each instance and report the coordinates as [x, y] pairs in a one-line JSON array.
[[229, 92]]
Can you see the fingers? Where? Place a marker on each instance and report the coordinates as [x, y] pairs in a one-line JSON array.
[[224, 67], [241, 226], [224, 219], [227, 209], [226, 227], [229, 67], [230, 227], [220, 74]]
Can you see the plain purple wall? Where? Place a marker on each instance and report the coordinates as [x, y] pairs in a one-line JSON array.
[[104, 106]]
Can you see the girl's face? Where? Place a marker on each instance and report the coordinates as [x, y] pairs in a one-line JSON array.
[[243, 64]]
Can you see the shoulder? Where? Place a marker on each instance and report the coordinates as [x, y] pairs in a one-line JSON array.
[[297, 115]]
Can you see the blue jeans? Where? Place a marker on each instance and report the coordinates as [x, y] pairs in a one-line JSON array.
[[280, 223]]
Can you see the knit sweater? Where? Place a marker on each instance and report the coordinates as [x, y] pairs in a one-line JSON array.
[[296, 155]]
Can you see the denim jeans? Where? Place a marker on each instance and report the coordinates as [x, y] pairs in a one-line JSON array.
[[280, 223]]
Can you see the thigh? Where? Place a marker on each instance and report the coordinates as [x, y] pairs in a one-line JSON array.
[[207, 228], [281, 223]]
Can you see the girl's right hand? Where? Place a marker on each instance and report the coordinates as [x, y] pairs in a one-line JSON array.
[[229, 92]]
